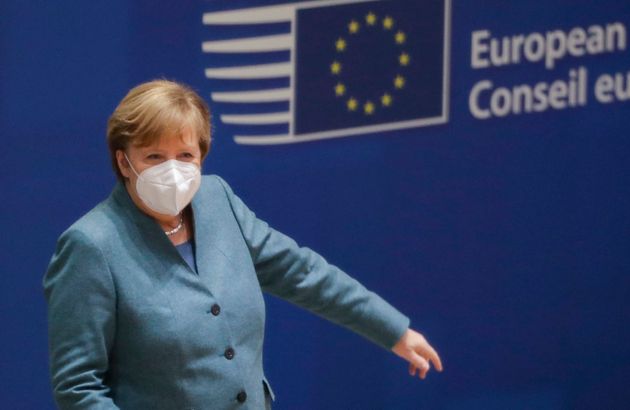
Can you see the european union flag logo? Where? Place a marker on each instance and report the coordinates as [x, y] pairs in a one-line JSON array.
[[322, 69]]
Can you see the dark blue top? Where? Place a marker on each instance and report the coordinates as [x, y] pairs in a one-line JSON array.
[[187, 251]]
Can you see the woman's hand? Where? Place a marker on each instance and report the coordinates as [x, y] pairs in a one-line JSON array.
[[414, 348]]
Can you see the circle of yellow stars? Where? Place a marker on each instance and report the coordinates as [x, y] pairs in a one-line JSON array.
[[386, 99]]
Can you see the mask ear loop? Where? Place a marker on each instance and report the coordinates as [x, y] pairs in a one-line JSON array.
[[130, 165]]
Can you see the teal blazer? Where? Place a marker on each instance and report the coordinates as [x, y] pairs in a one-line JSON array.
[[131, 326]]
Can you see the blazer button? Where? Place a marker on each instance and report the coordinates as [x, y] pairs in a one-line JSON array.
[[229, 353], [215, 309], [241, 397]]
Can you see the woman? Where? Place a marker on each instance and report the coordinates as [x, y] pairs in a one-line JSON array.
[[154, 296]]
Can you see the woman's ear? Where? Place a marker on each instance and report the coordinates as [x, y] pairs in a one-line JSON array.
[[123, 164]]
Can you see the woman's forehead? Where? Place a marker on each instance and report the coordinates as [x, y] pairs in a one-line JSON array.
[[183, 139]]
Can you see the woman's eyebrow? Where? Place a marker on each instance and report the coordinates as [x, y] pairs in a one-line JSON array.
[[147, 150]]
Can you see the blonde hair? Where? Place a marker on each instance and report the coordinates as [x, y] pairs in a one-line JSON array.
[[153, 110]]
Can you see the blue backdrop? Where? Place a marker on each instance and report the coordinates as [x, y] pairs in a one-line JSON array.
[[506, 240]]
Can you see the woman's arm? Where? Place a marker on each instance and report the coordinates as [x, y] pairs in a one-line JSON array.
[[303, 277], [81, 321]]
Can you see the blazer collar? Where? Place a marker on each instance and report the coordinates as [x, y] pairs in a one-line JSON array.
[[147, 225], [144, 229]]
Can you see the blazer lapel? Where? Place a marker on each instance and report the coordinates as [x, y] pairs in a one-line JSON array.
[[160, 256], [212, 263]]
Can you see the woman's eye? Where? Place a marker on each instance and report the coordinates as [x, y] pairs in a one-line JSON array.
[[187, 155], [153, 156]]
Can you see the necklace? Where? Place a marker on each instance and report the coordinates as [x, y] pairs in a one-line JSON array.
[[178, 228]]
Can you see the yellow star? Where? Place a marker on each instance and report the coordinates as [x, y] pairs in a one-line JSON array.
[[368, 108], [404, 59], [353, 27], [388, 23], [399, 81], [352, 104], [400, 37], [386, 100], [340, 89], [340, 44], [370, 19], [335, 67]]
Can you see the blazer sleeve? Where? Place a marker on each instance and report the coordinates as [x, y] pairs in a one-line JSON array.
[[304, 278], [81, 320]]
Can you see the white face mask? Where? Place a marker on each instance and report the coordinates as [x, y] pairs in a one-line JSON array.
[[167, 188]]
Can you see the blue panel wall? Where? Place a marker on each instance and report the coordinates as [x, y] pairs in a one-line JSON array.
[[505, 240]]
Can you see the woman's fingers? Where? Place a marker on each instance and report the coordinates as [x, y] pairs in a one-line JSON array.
[[414, 348], [427, 352], [419, 363], [432, 355]]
